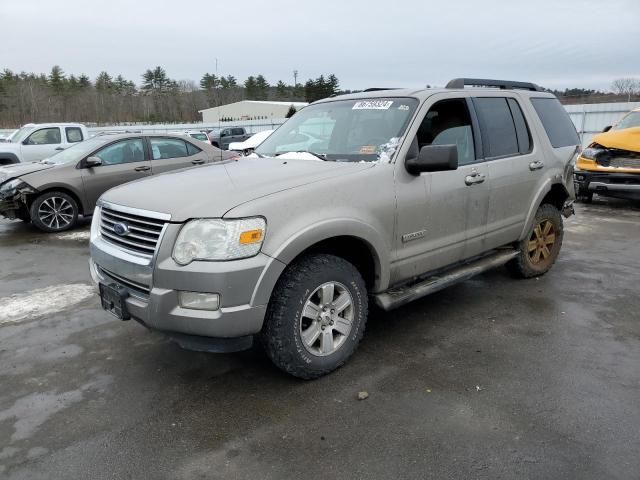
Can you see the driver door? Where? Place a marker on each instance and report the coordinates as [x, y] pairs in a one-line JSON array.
[[122, 162], [439, 214], [42, 143]]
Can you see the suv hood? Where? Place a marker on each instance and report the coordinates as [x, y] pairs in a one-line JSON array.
[[214, 189], [627, 139], [19, 169]]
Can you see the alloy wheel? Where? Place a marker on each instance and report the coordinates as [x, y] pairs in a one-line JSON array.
[[56, 213], [541, 242], [327, 319]]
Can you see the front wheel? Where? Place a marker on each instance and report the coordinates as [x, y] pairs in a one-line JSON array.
[[54, 212], [539, 250], [316, 316]]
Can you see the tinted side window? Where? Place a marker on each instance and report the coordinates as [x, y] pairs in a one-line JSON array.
[[74, 134], [522, 129], [556, 122], [46, 136], [497, 127], [448, 123], [126, 151], [237, 131], [192, 149], [162, 148]]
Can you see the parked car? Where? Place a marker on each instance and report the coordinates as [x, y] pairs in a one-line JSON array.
[[202, 136], [52, 193], [610, 165], [33, 142], [7, 136], [416, 190], [249, 145], [222, 138]]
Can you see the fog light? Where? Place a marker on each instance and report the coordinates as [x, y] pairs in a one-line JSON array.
[[580, 177], [199, 301]]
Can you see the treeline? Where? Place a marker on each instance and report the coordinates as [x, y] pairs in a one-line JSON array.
[[112, 99]]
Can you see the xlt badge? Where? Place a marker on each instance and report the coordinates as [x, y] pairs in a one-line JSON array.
[[407, 237]]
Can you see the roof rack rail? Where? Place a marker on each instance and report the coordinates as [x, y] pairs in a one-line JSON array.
[[377, 89], [502, 84]]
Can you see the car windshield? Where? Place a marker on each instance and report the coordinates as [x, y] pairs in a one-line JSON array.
[[200, 136], [344, 130], [632, 119], [78, 151], [20, 134]]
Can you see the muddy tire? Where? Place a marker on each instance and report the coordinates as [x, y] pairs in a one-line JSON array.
[[54, 212], [316, 316], [541, 246]]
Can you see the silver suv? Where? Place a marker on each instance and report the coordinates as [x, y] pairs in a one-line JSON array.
[[382, 196]]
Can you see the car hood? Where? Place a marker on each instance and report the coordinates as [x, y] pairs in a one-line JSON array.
[[627, 139], [19, 169], [214, 189]]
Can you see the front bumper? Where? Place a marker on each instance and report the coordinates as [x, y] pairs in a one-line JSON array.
[[623, 185], [153, 286]]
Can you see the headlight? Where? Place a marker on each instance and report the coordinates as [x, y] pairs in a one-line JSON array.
[[591, 153], [217, 239], [11, 185]]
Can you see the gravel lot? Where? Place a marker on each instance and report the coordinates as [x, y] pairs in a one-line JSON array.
[[491, 378]]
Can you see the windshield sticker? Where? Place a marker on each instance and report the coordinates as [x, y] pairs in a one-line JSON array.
[[373, 105], [368, 149], [404, 108]]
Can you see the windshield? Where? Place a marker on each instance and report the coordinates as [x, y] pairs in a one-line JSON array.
[[20, 134], [344, 130], [78, 151], [632, 119]]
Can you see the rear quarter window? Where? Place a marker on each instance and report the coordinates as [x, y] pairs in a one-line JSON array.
[[556, 122]]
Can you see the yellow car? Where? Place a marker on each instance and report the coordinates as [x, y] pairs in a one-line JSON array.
[[611, 164]]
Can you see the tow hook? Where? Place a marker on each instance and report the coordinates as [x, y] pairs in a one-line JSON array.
[[567, 209]]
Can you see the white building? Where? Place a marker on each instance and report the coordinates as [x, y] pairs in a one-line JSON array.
[[249, 110]]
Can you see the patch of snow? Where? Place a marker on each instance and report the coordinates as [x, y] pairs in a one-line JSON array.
[[43, 301]]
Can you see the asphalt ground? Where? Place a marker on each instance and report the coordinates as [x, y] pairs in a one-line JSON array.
[[491, 378]]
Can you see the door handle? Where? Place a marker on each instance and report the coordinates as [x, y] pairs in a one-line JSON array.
[[537, 165], [60, 148], [197, 161], [142, 169], [474, 178]]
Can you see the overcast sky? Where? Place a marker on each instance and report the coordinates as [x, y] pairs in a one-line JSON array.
[[555, 43]]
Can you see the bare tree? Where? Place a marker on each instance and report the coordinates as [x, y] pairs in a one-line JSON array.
[[626, 86]]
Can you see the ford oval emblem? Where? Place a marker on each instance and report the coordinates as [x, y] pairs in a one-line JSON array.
[[121, 229]]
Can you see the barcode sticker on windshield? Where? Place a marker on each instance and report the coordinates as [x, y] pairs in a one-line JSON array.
[[373, 105]]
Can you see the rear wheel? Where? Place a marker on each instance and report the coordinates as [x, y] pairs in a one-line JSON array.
[[541, 247], [316, 316], [54, 212]]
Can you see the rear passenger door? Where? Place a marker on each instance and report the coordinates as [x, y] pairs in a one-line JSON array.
[[170, 153], [515, 166]]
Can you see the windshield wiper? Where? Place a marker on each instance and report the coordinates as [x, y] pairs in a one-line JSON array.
[[319, 156]]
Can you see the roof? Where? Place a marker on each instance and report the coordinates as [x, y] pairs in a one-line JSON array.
[[260, 102], [423, 93]]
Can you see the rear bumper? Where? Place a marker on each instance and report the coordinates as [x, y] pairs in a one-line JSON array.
[[624, 185]]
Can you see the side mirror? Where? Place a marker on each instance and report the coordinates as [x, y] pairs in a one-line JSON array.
[[25, 141], [433, 158], [91, 162], [606, 129], [223, 134]]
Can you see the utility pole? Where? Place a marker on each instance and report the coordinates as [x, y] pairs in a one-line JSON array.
[[295, 78]]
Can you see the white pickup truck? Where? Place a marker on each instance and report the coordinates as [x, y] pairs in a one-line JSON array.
[[36, 141]]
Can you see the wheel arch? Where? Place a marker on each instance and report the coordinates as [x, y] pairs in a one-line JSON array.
[[357, 243], [7, 158], [554, 194], [59, 188]]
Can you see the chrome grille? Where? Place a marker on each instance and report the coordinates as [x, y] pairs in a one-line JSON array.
[[625, 162], [142, 237]]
